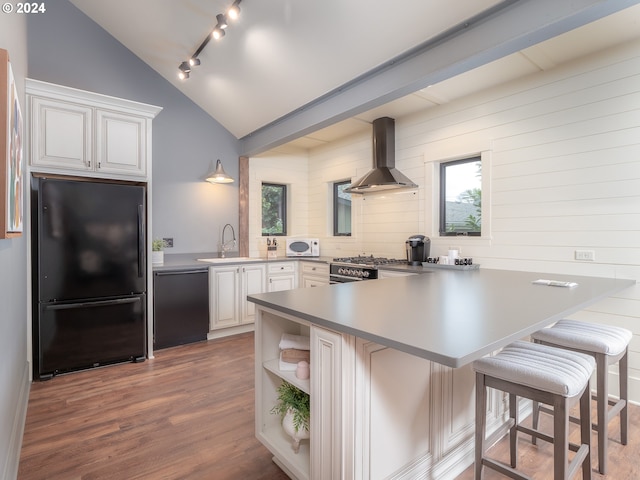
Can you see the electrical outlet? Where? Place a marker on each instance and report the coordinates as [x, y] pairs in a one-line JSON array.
[[585, 255], [168, 242]]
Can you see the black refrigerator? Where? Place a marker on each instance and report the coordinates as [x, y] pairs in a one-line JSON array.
[[89, 274]]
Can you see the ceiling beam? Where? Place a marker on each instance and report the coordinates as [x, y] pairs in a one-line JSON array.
[[511, 26]]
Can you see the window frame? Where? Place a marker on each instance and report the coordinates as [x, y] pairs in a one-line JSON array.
[[336, 186], [442, 196], [284, 208]]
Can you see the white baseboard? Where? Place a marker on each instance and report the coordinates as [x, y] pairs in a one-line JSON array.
[[12, 460]]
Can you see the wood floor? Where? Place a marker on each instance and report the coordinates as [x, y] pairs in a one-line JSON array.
[[537, 461], [188, 414]]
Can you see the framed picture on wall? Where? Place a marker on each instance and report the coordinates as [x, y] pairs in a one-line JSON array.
[[11, 153]]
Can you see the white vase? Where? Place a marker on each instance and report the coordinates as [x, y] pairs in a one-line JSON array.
[[290, 429], [157, 258]]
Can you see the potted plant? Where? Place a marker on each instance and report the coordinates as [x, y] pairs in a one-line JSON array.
[[293, 406], [157, 253]]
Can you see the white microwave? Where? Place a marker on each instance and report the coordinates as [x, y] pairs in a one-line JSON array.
[[303, 247]]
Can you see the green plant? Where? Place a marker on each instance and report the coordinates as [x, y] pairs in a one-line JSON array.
[[157, 245], [294, 399]]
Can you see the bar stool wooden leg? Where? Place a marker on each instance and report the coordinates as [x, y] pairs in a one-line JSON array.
[[535, 417], [481, 420], [585, 430], [560, 437], [623, 367], [513, 431], [602, 408]]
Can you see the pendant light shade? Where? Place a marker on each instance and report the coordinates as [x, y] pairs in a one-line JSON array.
[[218, 175]]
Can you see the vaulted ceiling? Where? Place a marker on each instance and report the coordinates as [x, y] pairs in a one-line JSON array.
[[305, 72]]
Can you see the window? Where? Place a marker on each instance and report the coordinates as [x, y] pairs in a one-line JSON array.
[[274, 209], [341, 209], [461, 197]]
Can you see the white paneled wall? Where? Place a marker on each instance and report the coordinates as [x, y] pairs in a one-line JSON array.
[[563, 164], [288, 170]]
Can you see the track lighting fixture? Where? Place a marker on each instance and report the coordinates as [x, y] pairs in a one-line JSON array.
[[217, 33]]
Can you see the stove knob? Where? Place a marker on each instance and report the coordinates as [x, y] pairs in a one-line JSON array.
[[365, 274], [352, 272], [359, 273], [341, 271]]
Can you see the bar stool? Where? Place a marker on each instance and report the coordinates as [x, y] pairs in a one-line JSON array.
[[608, 345], [547, 375]]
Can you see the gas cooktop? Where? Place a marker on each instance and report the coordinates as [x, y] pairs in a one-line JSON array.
[[369, 261]]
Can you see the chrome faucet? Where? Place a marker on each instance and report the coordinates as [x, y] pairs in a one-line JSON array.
[[225, 245]]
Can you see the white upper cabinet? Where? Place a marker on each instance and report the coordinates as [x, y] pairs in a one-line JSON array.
[[84, 133]]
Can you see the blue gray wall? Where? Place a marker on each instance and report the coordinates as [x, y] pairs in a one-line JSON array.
[[68, 48], [14, 371]]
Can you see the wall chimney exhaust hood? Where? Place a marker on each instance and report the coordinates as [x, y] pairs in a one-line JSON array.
[[384, 175]]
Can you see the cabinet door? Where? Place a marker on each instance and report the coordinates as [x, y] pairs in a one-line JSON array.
[[282, 282], [313, 282], [254, 279], [120, 143], [393, 405], [225, 287], [331, 418], [60, 135], [458, 406]]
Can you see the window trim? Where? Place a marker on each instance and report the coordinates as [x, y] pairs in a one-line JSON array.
[[336, 185], [442, 200], [284, 208]]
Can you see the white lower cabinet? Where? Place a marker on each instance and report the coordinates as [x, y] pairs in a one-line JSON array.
[[313, 274], [229, 287], [376, 412], [281, 276], [332, 418], [394, 409]]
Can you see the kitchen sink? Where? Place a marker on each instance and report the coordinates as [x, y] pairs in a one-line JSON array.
[[226, 259]]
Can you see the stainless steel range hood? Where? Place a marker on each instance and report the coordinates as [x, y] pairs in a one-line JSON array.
[[384, 175]]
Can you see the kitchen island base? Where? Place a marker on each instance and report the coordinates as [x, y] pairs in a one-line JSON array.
[[376, 412]]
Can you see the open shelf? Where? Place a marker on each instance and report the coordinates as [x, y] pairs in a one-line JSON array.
[[273, 367], [280, 446]]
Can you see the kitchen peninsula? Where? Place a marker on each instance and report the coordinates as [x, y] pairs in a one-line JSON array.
[[391, 382]]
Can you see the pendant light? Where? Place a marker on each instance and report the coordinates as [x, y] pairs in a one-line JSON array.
[[218, 175]]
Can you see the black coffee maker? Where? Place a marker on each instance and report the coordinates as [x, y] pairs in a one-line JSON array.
[[418, 247]]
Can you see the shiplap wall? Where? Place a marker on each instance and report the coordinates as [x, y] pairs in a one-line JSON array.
[[561, 160], [288, 170]]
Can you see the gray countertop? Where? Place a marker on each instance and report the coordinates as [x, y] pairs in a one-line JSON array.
[[450, 317], [189, 261]]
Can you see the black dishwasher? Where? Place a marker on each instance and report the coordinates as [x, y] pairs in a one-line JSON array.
[[181, 307]]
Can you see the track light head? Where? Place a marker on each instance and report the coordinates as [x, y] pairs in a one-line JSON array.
[[217, 33], [194, 62], [222, 21], [234, 10], [183, 75], [185, 67]]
